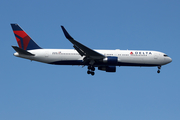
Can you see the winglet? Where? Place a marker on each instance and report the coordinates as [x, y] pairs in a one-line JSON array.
[[66, 33]]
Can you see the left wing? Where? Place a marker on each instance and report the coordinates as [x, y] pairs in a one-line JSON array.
[[82, 49]]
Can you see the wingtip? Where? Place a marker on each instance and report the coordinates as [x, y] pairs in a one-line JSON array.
[[62, 27], [66, 33]]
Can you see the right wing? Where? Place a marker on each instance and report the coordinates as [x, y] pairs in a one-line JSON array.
[[82, 49]]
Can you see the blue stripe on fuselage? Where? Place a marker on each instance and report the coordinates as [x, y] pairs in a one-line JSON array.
[[80, 62]]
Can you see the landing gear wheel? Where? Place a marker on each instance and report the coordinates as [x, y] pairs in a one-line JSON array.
[[91, 70], [88, 72], [92, 73], [159, 67]]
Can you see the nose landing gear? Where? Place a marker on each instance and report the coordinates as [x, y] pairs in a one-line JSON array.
[[91, 70], [159, 67]]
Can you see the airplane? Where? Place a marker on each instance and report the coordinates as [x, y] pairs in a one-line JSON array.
[[105, 60]]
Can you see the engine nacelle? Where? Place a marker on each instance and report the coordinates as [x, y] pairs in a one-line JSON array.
[[111, 60], [107, 68]]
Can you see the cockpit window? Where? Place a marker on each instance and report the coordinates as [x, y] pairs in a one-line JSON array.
[[165, 55]]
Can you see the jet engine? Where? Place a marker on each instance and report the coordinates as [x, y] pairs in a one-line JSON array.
[[111, 60], [107, 68]]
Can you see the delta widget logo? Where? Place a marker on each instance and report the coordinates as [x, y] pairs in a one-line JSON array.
[[131, 53]]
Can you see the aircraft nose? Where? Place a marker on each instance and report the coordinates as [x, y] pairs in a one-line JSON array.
[[167, 60], [170, 60]]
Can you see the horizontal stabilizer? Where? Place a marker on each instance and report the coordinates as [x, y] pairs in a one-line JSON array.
[[21, 51]]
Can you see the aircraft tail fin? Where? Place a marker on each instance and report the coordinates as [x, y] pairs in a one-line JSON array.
[[23, 39]]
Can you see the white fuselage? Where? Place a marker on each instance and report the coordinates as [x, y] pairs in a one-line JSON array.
[[125, 57]]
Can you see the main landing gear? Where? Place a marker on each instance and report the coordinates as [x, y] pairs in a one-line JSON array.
[[159, 67], [91, 70]]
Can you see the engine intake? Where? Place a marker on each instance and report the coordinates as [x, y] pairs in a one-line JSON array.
[[111, 60]]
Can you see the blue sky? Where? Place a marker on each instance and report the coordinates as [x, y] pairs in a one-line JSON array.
[[38, 91]]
